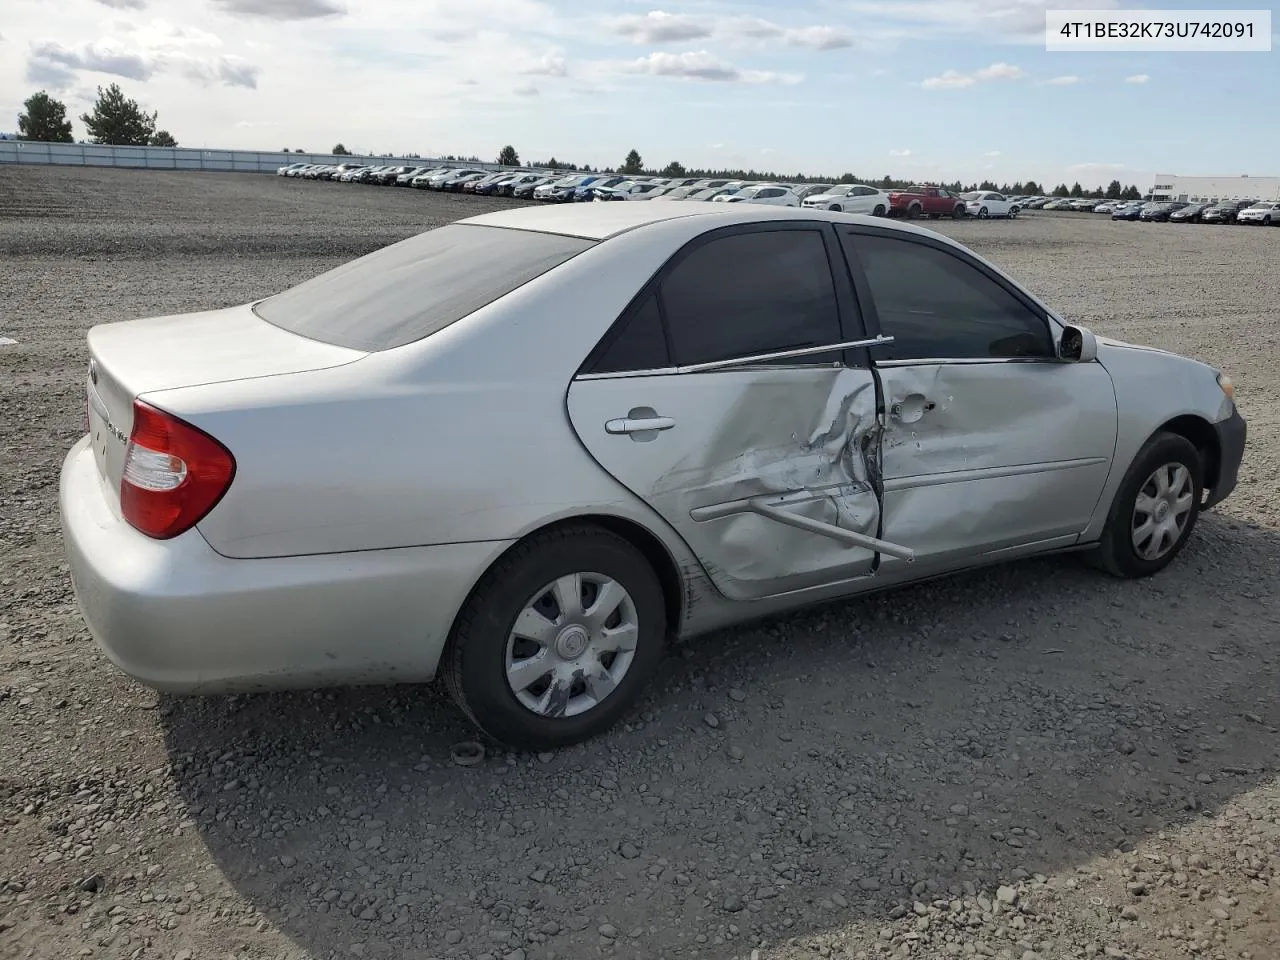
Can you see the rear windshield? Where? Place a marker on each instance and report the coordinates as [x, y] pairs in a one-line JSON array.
[[414, 288]]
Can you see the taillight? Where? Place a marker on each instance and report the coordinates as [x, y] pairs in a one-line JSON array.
[[174, 473]]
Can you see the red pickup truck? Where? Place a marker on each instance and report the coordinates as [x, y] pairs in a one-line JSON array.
[[919, 201]]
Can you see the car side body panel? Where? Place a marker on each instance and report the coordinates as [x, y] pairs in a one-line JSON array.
[[747, 445], [1008, 453], [1152, 388]]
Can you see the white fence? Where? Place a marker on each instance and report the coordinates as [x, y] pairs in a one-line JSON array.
[[182, 158]]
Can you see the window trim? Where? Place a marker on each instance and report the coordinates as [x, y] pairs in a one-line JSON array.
[[853, 324], [871, 315]]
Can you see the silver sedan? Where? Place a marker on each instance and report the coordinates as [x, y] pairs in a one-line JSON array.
[[522, 451]]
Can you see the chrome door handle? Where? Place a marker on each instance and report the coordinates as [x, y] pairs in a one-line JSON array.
[[638, 424]]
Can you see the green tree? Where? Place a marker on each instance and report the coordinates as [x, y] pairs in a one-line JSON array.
[[340, 151], [1062, 190], [1077, 190], [1114, 190], [507, 157], [118, 120], [1131, 193], [44, 119], [632, 165], [163, 138], [674, 169], [1033, 189]]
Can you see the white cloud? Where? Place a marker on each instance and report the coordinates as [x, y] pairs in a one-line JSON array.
[[955, 80], [1000, 71], [1138, 78], [656, 26], [548, 65], [900, 153], [526, 90], [948, 80], [992, 153], [283, 9], [138, 53], [701, 65], [1064, 81], [819, 38]]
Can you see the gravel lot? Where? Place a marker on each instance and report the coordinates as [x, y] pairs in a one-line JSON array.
[[1029, 762]]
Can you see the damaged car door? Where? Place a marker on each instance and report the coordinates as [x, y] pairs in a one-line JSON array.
[[992, 444], [734, 395]]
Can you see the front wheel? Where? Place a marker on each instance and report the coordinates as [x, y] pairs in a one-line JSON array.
[[836, 208], [557, 640], [1013, 213], [1155, 509]]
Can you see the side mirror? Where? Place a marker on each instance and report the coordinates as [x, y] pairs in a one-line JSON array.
[[1078, 345]]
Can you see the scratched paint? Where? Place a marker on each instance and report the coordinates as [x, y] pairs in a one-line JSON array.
[[981, 457], [802, 438]]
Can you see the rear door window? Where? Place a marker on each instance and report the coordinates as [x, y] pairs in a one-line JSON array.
[[412, 289]]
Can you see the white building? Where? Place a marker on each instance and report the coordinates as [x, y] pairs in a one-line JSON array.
[[1169, 186]]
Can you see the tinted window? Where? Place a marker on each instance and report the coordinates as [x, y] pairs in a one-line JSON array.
[[639, 345], [411, 289], [936, 305], [752, 293]]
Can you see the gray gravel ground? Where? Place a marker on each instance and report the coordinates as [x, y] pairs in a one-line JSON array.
[[1029, 762]]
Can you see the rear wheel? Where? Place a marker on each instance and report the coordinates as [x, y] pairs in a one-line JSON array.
[[557, 640], [879, 211], [982, 214], [913, 211], [1155, 509], [1013, 213]]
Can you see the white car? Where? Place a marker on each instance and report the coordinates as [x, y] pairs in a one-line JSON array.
[[272, 495], [629, 190], [987, 203], [1265, 212], [770, 193], [850, 198]]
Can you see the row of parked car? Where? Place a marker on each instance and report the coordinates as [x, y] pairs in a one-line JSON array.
[[1252, 212], [911, 202]]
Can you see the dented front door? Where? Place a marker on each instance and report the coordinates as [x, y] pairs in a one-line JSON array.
[[761, 469]]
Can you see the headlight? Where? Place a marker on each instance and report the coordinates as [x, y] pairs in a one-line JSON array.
[[1227, 386]]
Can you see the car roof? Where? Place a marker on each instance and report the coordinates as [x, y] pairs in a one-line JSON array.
[[599, 221]]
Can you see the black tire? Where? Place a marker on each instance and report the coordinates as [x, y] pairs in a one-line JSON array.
[[982, 214], [879, 211], [1013, 213], [913, 211], [959, 212], [474, 661], [836, 208], [1115, 552]]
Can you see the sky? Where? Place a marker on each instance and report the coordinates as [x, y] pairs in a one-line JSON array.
[[936, 90]]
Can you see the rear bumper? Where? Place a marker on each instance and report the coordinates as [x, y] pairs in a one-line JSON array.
[[1232, 434], [182, 618]]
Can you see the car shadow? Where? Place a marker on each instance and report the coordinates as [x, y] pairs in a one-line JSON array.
[[801, 775]]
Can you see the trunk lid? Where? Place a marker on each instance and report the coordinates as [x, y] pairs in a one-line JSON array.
[[135, 357]]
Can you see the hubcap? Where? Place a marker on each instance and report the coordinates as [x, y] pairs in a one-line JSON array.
[[571, 645], [1161, 511]]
